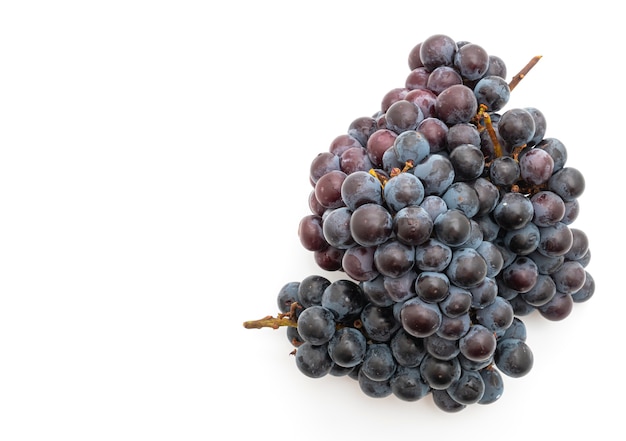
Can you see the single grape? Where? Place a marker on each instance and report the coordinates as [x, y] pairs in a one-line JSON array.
[[456, 104], [316, 325], [440, 374], [311, 289], [479, 344], [436, 173], [378, 363], [437, 50], [407, 384], [513, 357], [371, 225], [313, 360], [419, 318], [347, 347], [516, 127], [359, 188], [412, 225]]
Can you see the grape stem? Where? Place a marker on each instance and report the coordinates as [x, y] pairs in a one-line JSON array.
[[283, 319], [522, 73]]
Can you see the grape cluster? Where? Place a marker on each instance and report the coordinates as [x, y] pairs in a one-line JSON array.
[[452, 219]]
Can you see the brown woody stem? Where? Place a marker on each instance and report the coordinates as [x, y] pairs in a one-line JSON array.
[[522, 73]]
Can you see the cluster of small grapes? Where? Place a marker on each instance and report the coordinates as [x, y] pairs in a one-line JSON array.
[[451, 220]]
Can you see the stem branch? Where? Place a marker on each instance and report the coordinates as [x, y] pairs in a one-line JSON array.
[[522, 73]]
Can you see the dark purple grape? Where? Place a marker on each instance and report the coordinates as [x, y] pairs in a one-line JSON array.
[[336, 228], [457, 104], [496, 66], [468, 162], [360, 187], [329, 259], [479, 344], [443, 77], [436, 173], [488, 195], [555, 240], [513, 357], [371, 225], [557, 151], [570, 277], [540, 125], [310, 290], [516, 127], [403, 190], [558, 308], [347, 347], [462, 133], [425, 100], [417, 78], [457, 303], [287, 296], [344, 299], [316, 325], [323, 163], [372, 388], [328, 189], [523, 241], [472, 61], [441, 348], [432, 286], [411, 146], [355, 159], [432, 255], [313, 360], [379, 323], [408, 350], [419, 318], [401, 288], [494, 385], [403, 115], [493, 92], [358, 263], [343, 142], [414, 57], [542, 292], [378, 143], [497, 316], [467, 268], [435, 131], [440, 374], [378, 363], [536, 166], [468, 389], [407, 384], [548, 208], [580, 245], [513, 211], [437, 50], [394, 258], [587, 290], [461, 196], [412, 225], [361, 128], [568, 183], [504, 171], [521, 275], [310, 232], [452, 227]]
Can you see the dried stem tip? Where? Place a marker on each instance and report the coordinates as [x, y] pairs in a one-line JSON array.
[[522, 73]]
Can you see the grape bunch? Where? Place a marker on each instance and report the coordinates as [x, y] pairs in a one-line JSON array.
[[451, 219]]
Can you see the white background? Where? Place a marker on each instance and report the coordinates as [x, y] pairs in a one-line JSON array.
[[154, 165]]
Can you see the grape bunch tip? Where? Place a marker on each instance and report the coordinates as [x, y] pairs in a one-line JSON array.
[[452, 219]]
